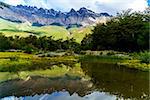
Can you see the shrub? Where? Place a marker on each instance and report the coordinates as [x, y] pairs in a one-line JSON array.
[[144, 57], [28, 50], [101, 53], [110, 53]]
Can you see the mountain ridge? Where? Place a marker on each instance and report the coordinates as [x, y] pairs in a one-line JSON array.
[[40, 16]]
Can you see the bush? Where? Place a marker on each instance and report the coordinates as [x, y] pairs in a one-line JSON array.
[[144, 57], [77, 50], [101, 53], [28, 49], [110, 53]]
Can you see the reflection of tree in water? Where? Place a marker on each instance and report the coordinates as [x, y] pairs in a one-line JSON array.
[[121, 81]]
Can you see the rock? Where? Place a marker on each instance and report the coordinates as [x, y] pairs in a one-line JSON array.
[[42, 16]]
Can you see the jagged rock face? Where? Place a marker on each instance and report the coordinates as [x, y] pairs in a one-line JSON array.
[[49, 16]]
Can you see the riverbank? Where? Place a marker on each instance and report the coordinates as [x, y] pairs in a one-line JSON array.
[[18, 61], [138, 61], [14, 65]]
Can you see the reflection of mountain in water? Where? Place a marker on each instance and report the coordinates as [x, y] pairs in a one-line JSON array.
[[109, 80], [38, 85], [66, 96], [121, 81]]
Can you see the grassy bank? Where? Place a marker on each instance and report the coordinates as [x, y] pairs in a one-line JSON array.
[[17, 61], [131, 60], [21, 65]]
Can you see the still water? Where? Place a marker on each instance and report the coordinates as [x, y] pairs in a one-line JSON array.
[[90, 81]]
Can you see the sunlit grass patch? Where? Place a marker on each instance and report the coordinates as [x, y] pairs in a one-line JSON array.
[[79, 33], [135, 63], [13, 34], [18, 61], [15, 54], [4, 76]]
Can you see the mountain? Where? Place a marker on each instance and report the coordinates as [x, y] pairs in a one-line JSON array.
[[40, 17]]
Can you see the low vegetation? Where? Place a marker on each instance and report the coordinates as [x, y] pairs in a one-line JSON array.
[[17, 61], [131, 60], [144, 57], [11, 29]]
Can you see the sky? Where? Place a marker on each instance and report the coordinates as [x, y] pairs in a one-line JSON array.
[[66, 96], [109, 6]]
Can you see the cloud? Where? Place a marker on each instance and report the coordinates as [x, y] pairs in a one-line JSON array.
[[14, 2], [38, 3], [110, 6], [119, 5]]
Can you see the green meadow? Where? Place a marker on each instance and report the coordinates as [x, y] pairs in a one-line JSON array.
[[57, 32], [21, 65], [18, 61]]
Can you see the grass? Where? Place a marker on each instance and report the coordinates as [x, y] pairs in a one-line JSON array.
[[14, 61], [57, 32], [80, 33], [17, 61], [135, 63], [4, 76], [144, 57], [21, 65], [134, 60], [12, 54], [31, 65], [13, 34], [7, 24]]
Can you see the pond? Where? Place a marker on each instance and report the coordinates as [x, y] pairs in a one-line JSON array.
[[80, 81]]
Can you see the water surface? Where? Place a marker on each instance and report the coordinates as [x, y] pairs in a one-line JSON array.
[[87, 81]]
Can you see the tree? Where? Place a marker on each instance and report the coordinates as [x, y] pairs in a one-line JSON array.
[[86, 43], [4, 43], [126, 32]]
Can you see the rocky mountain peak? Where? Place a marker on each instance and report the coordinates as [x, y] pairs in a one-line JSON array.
[[83, 10], [72, 13], [43, 16], [72, 10]]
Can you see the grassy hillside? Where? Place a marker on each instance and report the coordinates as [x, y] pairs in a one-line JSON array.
[[57, 32], [7, 25], [79, 33]]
